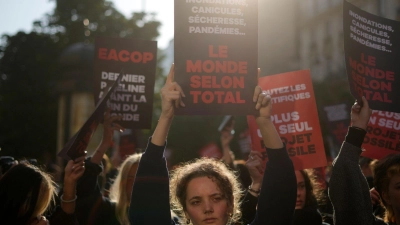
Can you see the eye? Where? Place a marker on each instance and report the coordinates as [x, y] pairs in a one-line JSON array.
[[217, 199], [195, 202]]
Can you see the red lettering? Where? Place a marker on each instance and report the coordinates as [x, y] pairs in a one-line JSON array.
[[147, 57], [193, 68], [369, 61], [136, 57], [112, 55], [209, 66], [219, 94], [195, 81], [229, 97], [195, 96], [211, 53], [223, 51], [208, 99], [123, 56], [102, 53], [206, 82]]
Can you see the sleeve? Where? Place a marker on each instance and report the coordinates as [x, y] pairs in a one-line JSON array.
[[59, 217], [277, 199], [348, 188], [150, 193], [248, 207], [91, 206]]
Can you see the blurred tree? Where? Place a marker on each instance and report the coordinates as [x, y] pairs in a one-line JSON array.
[[28, 109], [28, 68]]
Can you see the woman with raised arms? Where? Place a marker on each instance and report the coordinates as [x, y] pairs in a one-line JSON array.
[[205, 191]]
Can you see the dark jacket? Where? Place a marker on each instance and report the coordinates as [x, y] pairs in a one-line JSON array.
[[150, 195], [91, 207], [348, 188]]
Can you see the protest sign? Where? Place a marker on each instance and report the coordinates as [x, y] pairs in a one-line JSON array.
[[295, 116], [216, 55], [337, 120], [383, 135], [372, 50], [76, 146], [133, 99]]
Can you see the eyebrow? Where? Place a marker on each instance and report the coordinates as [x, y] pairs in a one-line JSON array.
[[213, 195]]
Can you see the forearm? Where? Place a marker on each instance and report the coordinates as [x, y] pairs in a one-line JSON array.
[[278, 193], [150, 194], [161, 132], [99, 153], [69, 197], [269, 134]]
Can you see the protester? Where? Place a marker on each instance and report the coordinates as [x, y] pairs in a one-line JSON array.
[[348, 188], [386, 182], [200, 194], [308, 193], [228, 157], [26, 193]]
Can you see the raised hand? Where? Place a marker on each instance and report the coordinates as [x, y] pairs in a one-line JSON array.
[[74, 170], [171, 96], [263, 101], [256, 167], [110, 126], [360, 115]]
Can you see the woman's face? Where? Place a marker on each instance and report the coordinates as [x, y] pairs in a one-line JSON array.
[[393, 195], [301, 190], [130, 180], [205, 203]]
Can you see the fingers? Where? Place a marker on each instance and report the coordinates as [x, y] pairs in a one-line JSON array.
[[257, 92], [171, 74], [375, 198], [262, 100]]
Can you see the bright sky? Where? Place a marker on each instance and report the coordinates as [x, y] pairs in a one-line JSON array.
[[16, 15]]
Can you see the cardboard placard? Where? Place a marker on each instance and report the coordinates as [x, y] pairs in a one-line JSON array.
[[216, 55], [383, 135], [372, 50], [295, 116], [77, 144], [134, 96]]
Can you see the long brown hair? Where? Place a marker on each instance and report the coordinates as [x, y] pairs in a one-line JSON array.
[[384, 171]]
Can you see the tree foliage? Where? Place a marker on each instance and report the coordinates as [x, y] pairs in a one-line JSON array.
[[28, 68]]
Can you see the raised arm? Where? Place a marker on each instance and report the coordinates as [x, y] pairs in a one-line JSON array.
[[66, 215], [150, 194], [109, 126], [348, 188], [277, 198]]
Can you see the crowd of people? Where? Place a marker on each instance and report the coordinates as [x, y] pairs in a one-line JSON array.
[[207, 190]]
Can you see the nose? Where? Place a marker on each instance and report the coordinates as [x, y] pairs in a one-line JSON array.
[[208, 207]]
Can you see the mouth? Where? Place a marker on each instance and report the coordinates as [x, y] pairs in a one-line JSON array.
[[210, 220]]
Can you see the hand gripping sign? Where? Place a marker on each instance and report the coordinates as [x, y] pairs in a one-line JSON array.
[[295, 116]]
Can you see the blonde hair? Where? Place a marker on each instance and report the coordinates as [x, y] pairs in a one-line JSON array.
[[225, 179], [46, 194], [118, 189], [26, 192]]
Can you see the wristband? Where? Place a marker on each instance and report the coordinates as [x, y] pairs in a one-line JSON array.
[[67, 201], [254, 191]]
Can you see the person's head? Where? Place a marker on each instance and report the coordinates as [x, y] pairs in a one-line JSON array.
[[121, 190], [205, 190], [308, 190], [387, 183], [25, 193]]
